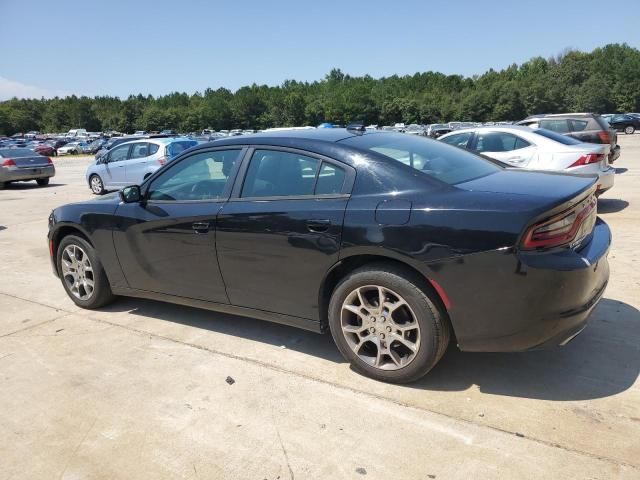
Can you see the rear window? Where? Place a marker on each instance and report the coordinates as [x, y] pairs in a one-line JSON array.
[[176, 148], [16, 152], [556, 136], [436, 159]]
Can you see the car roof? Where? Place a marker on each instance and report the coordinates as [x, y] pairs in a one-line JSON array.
[[329, 135]]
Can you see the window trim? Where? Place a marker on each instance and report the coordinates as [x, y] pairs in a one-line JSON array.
[[347, 186], [224, 197]]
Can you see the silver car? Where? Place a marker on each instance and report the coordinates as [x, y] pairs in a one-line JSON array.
[[22, 165], [132, 162]]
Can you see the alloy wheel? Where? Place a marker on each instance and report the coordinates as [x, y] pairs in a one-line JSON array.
[[629, 130], [380, 327], [96, 185], [77, 272]]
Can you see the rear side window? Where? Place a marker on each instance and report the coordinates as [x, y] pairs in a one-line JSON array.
[[330, 179], [176, 148], [434, 158], [153, 148], [499, 142], [578, 125], [458, 140], [560, 126], [139, 150], [274, 174]]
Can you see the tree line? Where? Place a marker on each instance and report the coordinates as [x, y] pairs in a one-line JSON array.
[[606, 80]]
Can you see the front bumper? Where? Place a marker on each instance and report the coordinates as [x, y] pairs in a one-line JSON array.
[[15, 174], [510, 301]]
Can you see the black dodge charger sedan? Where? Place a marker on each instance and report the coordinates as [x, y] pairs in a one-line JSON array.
[[395, 243]]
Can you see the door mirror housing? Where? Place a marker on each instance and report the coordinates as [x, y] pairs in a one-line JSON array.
[[131, 194]]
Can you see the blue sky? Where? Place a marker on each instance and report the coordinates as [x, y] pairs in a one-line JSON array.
[[121, 47]]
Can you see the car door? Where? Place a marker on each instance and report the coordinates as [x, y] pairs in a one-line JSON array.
[[115, 166], [166, 243], [280, 231], [141, 162], [506, 147]]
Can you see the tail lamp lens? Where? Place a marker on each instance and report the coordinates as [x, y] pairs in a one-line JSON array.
[[588, 159], [8, 163], [560, 229]]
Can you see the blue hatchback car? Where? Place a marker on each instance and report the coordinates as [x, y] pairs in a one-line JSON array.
[[132, 162]]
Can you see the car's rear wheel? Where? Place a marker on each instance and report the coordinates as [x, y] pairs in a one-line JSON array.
[[96, 185], [386, 325], [43, 181], [82, 274], [630, 129]]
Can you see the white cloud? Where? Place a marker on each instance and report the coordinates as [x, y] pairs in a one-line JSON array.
[[11, 88]]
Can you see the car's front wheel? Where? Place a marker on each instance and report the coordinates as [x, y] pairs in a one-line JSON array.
[[630, 129], [386, 325], [82, 274], [96, 185]]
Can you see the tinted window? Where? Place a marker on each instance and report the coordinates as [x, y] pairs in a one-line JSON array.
[[560, 126], [119, 153], [202, 176], [330, 179], [153, 148], [432, 157], [274, 174], [140, 150], [578, 125], [498, 142], [556, 136], [459, 139]]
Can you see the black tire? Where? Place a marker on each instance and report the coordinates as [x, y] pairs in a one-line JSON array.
[[434, 326], [43, 181], [102, 294], [2, 185], [629, 130], [96, 185]]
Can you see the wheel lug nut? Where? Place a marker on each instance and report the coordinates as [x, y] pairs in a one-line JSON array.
[[372, 330], [382, 336], [388, 329], [373, 319]]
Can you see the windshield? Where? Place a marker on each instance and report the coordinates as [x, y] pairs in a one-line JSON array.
[[16, 152], [556, 136], [438, 160]]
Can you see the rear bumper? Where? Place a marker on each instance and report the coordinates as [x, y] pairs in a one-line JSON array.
[[19, 174], [508, 301], [614, 154]]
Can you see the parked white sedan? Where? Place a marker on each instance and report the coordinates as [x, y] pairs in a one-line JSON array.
[[537, 149]]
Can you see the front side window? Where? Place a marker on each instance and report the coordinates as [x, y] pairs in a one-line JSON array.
[[432, 157], [119, 154], [202, 176], [273, 173], [458, 140]]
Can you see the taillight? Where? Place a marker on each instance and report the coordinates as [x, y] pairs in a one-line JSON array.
[[162, 160], [49, 161], [588, 159], [560, 229], [9, 163], [604, 136]]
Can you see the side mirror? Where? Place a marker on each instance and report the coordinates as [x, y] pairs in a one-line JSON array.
[[131, 194]]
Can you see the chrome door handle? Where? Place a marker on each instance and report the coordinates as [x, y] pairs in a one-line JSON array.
[[200, 227]]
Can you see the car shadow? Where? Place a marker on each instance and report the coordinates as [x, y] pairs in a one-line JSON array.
[[292, 338], [603, 361], [620, 170], [30, 185], [611, 205]]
